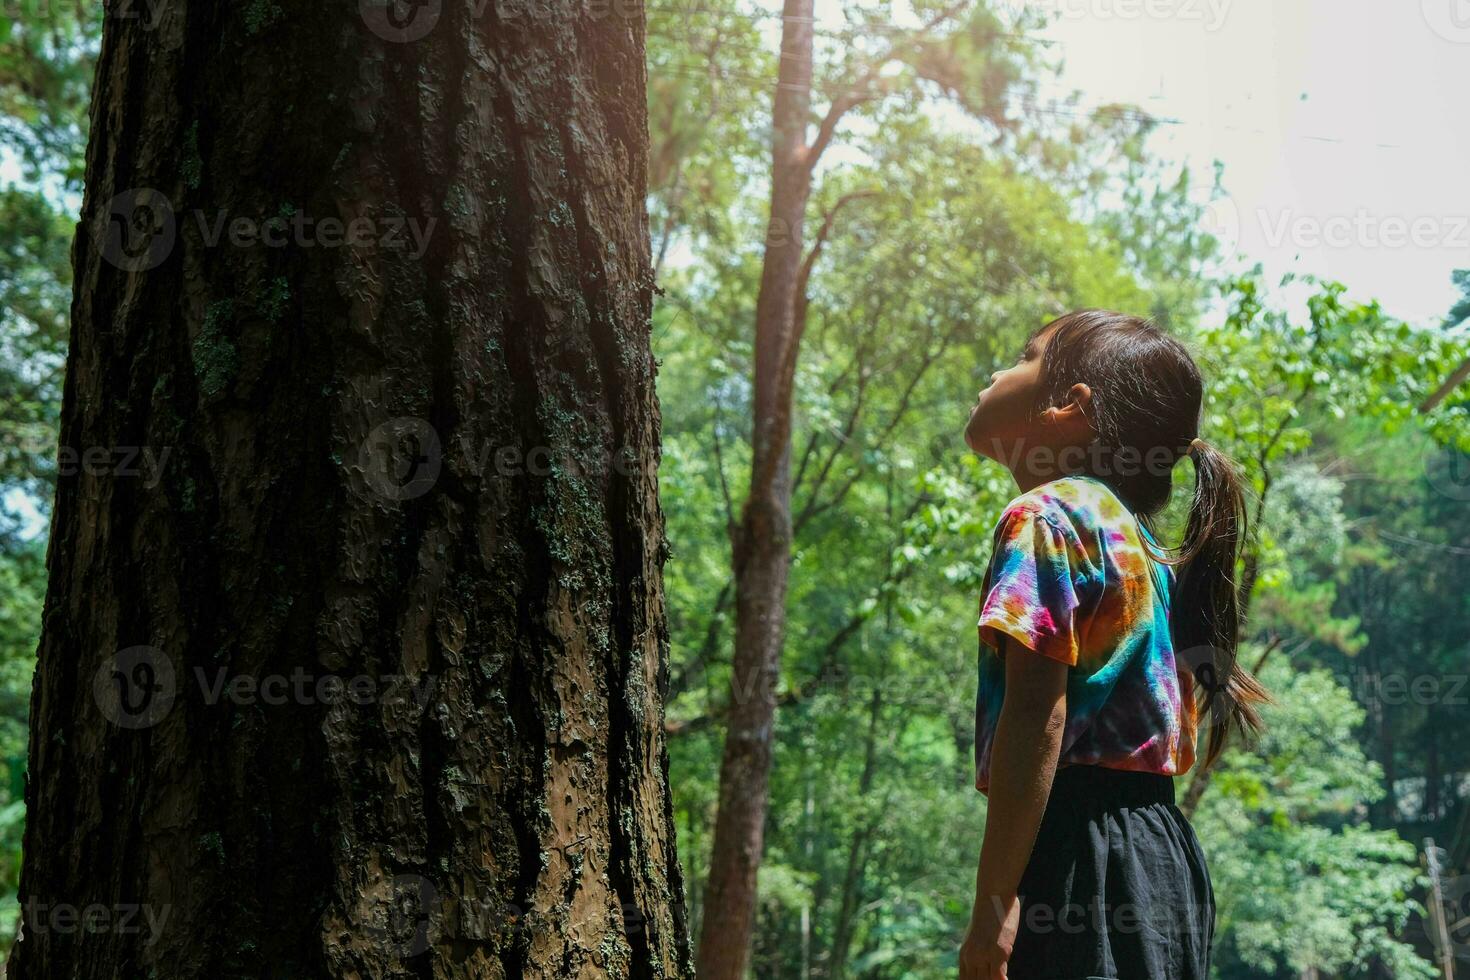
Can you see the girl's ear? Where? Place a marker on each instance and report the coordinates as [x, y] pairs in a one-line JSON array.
[[1075, 411], [1081, 396]]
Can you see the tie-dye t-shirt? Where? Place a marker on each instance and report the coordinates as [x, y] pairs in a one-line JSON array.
[[1069, 579]]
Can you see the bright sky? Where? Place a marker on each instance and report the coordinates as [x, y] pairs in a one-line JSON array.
[[1342, 125]]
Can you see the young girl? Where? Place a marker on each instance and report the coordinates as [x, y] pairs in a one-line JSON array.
[[1090, 659]]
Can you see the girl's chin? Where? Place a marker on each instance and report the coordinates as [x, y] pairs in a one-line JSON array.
[[978, 443], [975, 429]]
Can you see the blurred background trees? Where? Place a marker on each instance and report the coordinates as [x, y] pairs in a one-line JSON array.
[[970, 234], [46, 56]]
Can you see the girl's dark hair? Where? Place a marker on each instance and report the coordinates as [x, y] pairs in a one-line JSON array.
[[1147, 396]]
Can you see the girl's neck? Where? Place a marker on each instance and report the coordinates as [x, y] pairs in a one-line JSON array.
[[1028, 479]]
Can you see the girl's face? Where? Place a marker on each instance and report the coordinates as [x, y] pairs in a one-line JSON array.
[[1005, 413], [1006, 426]]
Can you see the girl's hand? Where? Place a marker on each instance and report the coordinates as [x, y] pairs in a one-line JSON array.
[[989, 941]]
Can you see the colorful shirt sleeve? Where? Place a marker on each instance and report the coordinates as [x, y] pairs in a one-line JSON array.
[[1032, 596]]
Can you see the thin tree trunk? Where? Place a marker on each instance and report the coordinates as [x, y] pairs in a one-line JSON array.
[[1433, 778], [808, 846], [1388, 745], [762, 539], [857, 852], [383, 458]]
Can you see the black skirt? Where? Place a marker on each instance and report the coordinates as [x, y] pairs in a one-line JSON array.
[[1116, 887]]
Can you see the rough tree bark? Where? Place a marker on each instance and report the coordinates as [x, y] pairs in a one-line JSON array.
[[378, 454]]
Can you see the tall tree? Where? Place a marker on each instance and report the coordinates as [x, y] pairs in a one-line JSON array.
[[354, 641], [953, 49], [761, 542]]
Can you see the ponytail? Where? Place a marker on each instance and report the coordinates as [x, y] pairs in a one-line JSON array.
[[1206, 609]]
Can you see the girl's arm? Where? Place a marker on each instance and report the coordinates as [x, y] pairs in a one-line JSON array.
[[1023, 760]]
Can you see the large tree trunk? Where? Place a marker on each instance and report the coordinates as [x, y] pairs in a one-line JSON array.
[[382, 460], [761, 545]]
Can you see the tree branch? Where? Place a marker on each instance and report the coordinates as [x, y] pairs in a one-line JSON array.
[[828, 659], [863, 89]]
